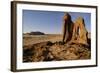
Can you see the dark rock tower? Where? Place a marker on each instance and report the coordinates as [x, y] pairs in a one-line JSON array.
[[67, 27]]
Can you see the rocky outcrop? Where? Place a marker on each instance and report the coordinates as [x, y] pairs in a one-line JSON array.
[[48, 51], [74, 31]]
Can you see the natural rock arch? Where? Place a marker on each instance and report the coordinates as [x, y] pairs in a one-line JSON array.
[[79, 31], [74, 31]]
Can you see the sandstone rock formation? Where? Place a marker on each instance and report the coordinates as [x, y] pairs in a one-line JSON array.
[[74, 31], [67, 27], [80, 34]]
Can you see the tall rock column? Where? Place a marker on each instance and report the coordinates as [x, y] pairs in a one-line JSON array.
[[67, 27]]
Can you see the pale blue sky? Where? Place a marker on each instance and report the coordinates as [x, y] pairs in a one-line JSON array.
[[49, 22]]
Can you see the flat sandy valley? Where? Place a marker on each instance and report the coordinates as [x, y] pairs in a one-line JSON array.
[[33, 39]]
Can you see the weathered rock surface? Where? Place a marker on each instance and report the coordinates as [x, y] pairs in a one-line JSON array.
[[80, 34], [47, 51], [74, 31], [67, 27]]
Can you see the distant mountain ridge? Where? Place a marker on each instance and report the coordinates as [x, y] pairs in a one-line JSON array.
[[35, 33]]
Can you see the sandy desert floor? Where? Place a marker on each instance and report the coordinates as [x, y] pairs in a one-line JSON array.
[[33, 39]]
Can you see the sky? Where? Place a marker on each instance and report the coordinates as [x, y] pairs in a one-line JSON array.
[[49, 22]]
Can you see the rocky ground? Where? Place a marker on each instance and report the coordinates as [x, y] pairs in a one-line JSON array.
[[48, 51]]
